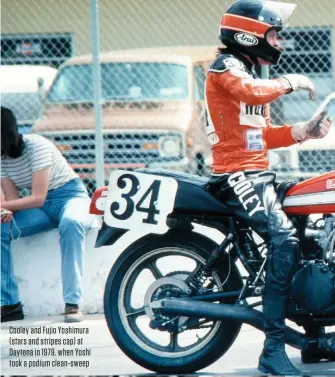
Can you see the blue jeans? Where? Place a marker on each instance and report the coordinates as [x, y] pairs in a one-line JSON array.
[[66, 208]]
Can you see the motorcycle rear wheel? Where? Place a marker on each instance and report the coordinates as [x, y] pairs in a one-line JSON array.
[[121, 319]]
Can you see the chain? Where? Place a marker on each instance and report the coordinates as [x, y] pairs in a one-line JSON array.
[[200, 327], [177, 272]]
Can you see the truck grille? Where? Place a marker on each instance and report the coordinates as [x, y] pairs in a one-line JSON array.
[[119, 147], [318, 161]]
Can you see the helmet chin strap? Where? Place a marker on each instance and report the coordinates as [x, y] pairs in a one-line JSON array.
[[262, 61], [250, 59], [254, 60]]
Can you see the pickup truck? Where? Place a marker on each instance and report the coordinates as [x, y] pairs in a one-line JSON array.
[[308, 159]]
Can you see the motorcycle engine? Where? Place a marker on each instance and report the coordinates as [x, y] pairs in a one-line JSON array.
[[319, 239], [313, 286]]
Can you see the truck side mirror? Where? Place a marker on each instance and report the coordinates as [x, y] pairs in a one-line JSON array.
[[41, 89]]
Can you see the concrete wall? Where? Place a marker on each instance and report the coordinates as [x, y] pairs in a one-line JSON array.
[[139, 23], [37, 266]]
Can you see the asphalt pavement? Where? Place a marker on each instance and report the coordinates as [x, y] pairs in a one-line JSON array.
[[87, 348]]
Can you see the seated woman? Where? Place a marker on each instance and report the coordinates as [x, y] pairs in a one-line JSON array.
[[58, 199]]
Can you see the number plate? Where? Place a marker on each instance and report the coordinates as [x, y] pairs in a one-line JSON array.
[[139, 201]]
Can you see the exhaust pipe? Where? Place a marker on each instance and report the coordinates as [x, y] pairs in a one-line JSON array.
[[240, 313]]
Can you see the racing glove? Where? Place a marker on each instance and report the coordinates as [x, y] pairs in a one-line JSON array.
[[300, 82], [316, 128]]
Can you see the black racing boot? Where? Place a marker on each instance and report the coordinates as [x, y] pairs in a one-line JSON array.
[[280, 268], [11, 312], [275, 361], [323, 349]]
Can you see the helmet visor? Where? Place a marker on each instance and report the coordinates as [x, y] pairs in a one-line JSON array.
[[285, 10]]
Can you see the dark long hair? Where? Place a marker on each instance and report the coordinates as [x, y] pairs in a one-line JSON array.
[[221, 50], [227, 50], [12, 144]]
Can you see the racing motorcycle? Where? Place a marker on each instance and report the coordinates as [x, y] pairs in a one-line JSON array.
[[175, 299]]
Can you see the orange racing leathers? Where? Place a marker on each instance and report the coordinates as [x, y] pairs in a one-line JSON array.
[[238, 121]]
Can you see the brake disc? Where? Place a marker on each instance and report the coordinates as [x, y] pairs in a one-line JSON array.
[[160, 289]]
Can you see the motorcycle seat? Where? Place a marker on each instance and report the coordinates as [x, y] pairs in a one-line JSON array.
[[212, 203], [192, 195], [179, 176], [282, 189]]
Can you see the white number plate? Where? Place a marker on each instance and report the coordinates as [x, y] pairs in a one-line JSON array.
[[139, 201]]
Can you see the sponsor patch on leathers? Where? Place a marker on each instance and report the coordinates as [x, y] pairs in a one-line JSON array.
[[254, 140], [252, 116]]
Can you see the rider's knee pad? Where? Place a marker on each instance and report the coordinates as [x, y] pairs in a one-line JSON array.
[[284, 259], [281, 229]]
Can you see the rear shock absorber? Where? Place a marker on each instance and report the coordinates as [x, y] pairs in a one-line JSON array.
[[205, 270], [249, 247]]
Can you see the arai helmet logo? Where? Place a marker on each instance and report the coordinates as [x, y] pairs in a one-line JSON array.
[[246, 39]]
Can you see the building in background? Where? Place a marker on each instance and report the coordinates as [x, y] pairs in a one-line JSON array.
[[49, 32], [129, 23]]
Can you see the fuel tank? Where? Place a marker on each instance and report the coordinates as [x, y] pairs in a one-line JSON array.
[[316, 195]]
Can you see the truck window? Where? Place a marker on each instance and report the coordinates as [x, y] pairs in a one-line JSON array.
[[331, 110], [199, 83], [122, 82]]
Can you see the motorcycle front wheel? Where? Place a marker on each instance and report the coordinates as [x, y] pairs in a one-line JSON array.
[[174, 255]]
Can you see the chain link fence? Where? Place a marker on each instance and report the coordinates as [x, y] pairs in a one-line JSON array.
[[154, 58]]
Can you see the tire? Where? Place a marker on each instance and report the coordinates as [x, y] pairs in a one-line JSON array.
[[225, 331]]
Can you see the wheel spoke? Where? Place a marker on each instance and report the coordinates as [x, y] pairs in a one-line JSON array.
[[155, 270], [192, 273], [173, 345], [136, 313]]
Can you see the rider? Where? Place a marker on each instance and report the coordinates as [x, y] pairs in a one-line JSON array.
[[240, 131]]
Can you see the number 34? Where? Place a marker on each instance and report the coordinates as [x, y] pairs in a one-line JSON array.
[[151, 210]]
